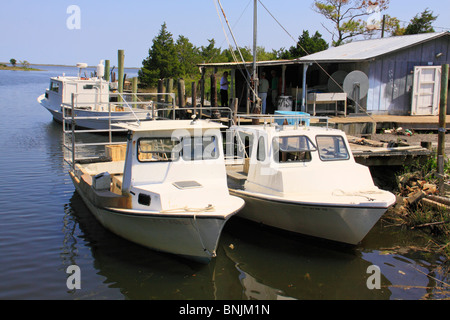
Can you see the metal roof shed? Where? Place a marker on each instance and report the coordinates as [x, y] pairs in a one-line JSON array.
[[389, 64]]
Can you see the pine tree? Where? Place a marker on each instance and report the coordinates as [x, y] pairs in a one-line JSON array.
[[422, 23], [307, 45], [162, 61]]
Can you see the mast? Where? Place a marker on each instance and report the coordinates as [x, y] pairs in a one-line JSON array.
[[255, 33]]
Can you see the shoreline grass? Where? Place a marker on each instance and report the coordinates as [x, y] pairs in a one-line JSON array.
[[10, 68]]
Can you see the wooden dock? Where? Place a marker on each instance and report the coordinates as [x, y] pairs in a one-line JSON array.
[[357, 125], [375, 156]]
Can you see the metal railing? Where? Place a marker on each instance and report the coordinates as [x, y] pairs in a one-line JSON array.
[[83, 144]]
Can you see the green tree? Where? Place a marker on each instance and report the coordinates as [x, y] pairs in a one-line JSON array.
[[210, 53], [421, 23], [162, 61], [188, 56], [13, 62], [307, 45], [346, 16]]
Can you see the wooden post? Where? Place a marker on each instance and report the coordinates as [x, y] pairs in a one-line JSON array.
[[442, 126], [202, 91], [121, 59], [235, 109], [443, 110], [213, 91], [159, 98], [134, 89], [107, 70], [194, 97], [181, 91], [169, 89]]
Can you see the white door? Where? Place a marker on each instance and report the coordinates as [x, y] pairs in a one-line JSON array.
[[426, 90]]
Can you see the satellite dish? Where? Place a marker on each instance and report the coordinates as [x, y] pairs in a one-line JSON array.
[[356, 85], [336, 81]]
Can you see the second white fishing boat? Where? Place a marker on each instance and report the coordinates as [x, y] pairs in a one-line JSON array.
[[304, 179]]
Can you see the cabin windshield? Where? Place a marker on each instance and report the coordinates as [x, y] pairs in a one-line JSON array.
[[292, 149], [54, 86], [158, 149], [199, 148], [170, 149], [332, 148]]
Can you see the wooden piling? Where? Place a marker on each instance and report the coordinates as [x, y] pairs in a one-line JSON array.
[[181, 91], [202, 92], [213, 91], [169, 89], [160, 91], [443, 110], [121, 60], [134, 89], [107, 70], [442, 126], [194, 97]]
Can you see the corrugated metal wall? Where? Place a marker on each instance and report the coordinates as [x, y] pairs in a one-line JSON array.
[[391, 76]]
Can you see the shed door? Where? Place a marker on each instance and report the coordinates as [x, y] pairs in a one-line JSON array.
[[426, 91]]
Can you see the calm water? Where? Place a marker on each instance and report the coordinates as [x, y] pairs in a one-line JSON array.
[[45, 227]]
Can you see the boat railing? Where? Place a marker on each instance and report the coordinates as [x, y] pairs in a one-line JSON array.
[[282, 119], [83, 145], [237, 147]]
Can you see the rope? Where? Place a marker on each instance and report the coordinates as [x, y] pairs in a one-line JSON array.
[[237, 47], [364, 194], [208, 208]]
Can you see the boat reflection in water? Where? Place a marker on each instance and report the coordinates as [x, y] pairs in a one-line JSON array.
[[252, 263]]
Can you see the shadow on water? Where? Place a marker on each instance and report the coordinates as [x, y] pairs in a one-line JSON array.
[[256, 263], [138, 272]]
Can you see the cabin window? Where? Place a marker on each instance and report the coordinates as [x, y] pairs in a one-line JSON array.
[[54, 86], [332, 148], [292, 149], [261, 150], [158, 149], [200, 148]]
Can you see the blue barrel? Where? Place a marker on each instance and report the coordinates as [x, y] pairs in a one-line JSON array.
[[294, 116]]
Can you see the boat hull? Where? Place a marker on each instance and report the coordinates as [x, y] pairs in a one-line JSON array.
[[193, 236], [94, 120], [340, 223]]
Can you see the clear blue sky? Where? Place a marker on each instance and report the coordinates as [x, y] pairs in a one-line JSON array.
[[37, 31]]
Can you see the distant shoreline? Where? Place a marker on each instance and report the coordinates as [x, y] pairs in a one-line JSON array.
[[62, 65], [10, 68]]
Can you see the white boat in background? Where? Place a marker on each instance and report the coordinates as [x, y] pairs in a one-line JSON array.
[[88, 102], [166, 189], [304, 179]]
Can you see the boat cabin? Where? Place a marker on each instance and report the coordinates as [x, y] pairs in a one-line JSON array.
[[94, 92], [166, 165], [287, 159]]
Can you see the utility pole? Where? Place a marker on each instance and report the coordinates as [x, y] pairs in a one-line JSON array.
[[442, 126]]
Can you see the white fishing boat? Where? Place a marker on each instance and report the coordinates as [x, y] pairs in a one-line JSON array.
[[166, 189], [88, 102], [304, 179]]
